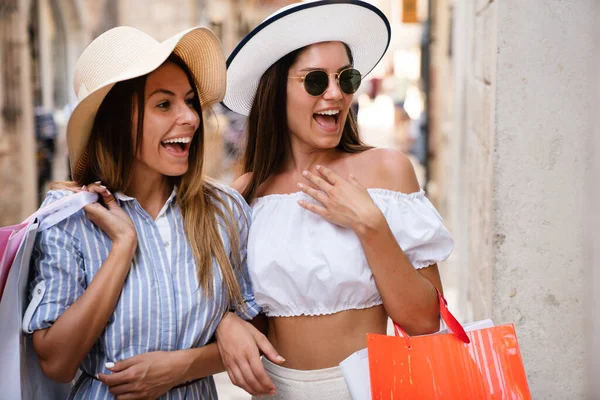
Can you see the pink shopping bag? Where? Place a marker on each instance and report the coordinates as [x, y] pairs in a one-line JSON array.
[[11, 237], [10, 240], [20, 374]]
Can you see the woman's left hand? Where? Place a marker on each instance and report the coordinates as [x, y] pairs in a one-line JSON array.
[[239, 343], [344, 202], [145, 376]]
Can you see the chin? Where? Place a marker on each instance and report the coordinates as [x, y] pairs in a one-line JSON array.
[[174, 171], [328, 143]]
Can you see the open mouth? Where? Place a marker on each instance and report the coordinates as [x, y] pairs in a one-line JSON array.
[[327, 119], [177, 146]]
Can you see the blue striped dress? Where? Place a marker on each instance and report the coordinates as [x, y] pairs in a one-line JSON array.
[[161, 308]]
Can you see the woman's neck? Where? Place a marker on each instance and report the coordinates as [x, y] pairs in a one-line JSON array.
[[302, 159], [151, 190]]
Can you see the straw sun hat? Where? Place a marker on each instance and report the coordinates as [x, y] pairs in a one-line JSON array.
[[360, 25], [124, 53]]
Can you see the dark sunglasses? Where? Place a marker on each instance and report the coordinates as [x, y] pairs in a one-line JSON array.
[[316, 82]]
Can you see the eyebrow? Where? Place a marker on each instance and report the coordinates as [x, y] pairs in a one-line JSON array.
[[322, 69], [167, 92]]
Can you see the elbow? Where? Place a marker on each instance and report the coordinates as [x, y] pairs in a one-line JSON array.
[[57, 371], [54, 362], [429, 326], [418, 326]]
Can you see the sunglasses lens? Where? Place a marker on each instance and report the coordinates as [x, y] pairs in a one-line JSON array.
[[316, 82], [350, 81]]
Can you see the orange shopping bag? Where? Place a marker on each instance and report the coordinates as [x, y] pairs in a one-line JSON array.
[[480, 364]]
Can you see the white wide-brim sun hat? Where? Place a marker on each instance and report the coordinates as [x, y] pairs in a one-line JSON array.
[[124, 53], [360, 25]]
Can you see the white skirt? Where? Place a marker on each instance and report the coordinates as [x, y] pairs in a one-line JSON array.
[[294, 384]]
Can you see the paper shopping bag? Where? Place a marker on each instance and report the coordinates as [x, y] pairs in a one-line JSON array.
[[10, 240], [11, 237], [479, 364], [355, 368], [21, 376]]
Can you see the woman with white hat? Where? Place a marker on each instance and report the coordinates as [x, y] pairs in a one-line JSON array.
[[342, 236], [131, 291]]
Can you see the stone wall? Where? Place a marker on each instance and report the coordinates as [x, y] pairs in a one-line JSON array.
[[513, 129]]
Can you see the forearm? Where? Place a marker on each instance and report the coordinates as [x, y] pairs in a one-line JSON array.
[[409, 298], [62, 347], [199, 362]]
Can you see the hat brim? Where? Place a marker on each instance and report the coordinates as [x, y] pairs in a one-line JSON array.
[[361, 26], [198, 47]]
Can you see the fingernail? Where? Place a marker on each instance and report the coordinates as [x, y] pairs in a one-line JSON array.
[[300, 185], [103, 187], [318, 167], [97, 376], [98, 182], [83, 187], [109, 365], [280, 359], [304, 173]]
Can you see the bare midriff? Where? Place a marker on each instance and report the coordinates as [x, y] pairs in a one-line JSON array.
[[323, 341]]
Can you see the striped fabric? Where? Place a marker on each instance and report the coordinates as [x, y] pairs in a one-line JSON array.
[[161, 308]]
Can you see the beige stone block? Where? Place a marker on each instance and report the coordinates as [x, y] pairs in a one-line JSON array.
[[478, 48], [11, 178], [487, 118], [489, 39], [481, 4], [477, 109], [174, 16], [484, 43], [471, 98]]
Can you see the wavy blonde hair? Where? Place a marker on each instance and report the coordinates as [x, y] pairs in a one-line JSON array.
[[110, 153]]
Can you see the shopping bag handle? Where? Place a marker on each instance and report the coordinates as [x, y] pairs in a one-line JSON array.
[[59, 210], [448, 318]]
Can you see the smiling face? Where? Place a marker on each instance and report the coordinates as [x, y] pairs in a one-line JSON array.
[[318, 121], [169, 124]]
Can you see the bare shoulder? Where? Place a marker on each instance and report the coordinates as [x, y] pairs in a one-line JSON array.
[[387, 169], [242, 182]]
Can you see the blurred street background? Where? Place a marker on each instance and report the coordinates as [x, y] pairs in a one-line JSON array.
[[493, 100]]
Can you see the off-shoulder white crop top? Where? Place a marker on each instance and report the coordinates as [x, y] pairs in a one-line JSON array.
[[300, 264]]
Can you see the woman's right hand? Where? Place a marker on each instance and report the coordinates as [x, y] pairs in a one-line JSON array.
[[111, 219]]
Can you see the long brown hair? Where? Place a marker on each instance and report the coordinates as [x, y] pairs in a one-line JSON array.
[[108, 158], [268, 141]]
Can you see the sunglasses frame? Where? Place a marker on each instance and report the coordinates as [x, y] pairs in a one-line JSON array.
[[337, 79]]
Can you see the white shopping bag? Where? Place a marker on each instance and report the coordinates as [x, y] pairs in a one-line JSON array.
[[356, 373], [355, 368], [21, 376]]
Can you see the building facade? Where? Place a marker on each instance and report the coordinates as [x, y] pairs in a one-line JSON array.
[[511, 140], [17, 145]]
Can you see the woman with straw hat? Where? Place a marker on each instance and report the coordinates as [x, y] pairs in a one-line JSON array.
[[342, 236], [131, 291]]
